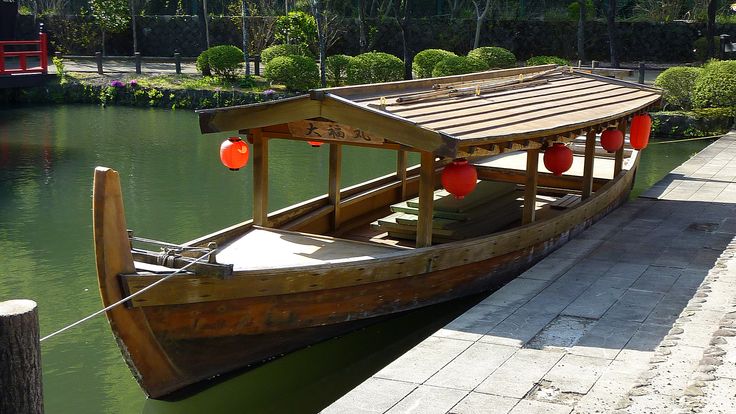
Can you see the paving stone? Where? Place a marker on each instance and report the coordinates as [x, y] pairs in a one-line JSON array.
[[516, 293], [597, 299], [428, 400], [539, 407], [607, 392], [519, 328], [646, 339], [424, 360], [476, 322], [520, 372], [605, 339], [375, 395], [575, 373], [550, 268], [472, 366], [562, 332], [634, 305], [478, 403]]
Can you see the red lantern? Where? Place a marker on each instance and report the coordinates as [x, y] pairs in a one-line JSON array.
[[234, 153], [612, 140], [315, 144], [641, 126], [558, 158], [459, 178]]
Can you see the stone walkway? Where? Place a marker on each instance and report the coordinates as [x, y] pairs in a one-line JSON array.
[[635, 315]]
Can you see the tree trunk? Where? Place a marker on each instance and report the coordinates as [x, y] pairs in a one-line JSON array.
[[104, 53], [133, 26], [476, 42], [711, 28], [321, 38], [20, 358], [612, 35], [206, 24], [581, 30], [361, 27], [246, 14]]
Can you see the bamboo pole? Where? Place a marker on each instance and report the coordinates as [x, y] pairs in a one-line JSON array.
[[260, 178]]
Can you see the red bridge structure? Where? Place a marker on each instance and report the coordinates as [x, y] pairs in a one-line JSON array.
[[17, 59]]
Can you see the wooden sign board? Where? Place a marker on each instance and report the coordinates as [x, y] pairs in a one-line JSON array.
[[331, 131]]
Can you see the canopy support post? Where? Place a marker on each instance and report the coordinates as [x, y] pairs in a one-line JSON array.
[[260, 178], [530, 189], [618, 163], [426, 200], [335, 174], [401, 164], [588, 166]]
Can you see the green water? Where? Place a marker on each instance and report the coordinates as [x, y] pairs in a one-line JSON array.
[[174, 189]]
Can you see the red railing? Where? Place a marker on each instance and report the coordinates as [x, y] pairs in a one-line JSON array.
[[41, 53]]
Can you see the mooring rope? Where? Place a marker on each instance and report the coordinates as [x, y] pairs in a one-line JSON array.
[[123, 300], [675, 141], [166, 244]]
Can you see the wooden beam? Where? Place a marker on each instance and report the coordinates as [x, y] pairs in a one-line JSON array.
[[618, 163], [335, 175], [384, 124], [587, 189], [426, 200], [530, 190], [402, 161], [260, 178], [258, 115]]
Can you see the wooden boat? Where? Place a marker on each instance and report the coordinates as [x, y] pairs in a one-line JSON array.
[[323, 267]]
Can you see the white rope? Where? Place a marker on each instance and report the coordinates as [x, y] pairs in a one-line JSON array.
[[123, 300]]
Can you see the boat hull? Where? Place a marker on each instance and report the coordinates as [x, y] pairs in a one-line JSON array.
[[210, 336]]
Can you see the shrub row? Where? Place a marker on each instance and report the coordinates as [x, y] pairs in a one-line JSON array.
[[712, 86]]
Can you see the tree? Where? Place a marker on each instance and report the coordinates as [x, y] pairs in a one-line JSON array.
[[402, 18], [245, 15], [319, 15], [206, 23], [581, 30], [612, 36], [711, 27], [111, 16], [479, 18]]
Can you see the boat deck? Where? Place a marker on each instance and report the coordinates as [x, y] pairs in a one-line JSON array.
[[516, 162], [265, 248]]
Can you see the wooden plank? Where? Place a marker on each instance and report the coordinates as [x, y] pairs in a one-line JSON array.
[[260, 178], [331, 132], [619, 158], [258, 115], [484, 192], [426, 200], [335, 176], [565, 202], [587, 187], [378, 89], [530, 189]]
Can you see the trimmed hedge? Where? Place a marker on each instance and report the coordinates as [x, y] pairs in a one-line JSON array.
[[425, 61], [700, 47], [224, 60], [677, 86], [546, 60], [297, 73], [374, 67], [494, 57], [275, 51], [458, 65], [716, 85], [337, 69]]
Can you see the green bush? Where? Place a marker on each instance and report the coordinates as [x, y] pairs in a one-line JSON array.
[[373, 67], [546, 60], [296, 27], [494, 57], [225, 60], [298, 73], [425, 61], [203, 64], [677, 86], [716, 85], [458, 65], [337, 69], [284, 50], [700, 47]]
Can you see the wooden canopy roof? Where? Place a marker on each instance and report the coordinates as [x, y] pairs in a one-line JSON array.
[[453, 116]]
